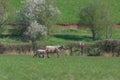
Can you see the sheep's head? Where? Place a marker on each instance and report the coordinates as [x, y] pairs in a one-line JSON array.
[[62, 47]]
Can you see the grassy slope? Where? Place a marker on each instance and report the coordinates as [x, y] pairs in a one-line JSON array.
[[23, 67], [116, 33], [14, 6], [61, 36], [58, 36], [70, 9]]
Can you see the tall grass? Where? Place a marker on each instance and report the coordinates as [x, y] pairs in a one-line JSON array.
[[24, 67]]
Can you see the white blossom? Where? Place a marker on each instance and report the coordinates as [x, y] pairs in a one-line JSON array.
[[36, 7], [35, 30]]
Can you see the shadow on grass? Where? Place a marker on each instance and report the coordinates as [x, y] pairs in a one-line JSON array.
[[15, 37], [73, 37]]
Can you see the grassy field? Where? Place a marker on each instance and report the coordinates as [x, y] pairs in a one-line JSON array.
[[14, 6], [70, 9], [69, 14], [24, 67], [59, 36]]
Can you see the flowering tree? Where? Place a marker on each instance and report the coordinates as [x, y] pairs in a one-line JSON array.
[[42, 11], [38, 16], [34, 32]]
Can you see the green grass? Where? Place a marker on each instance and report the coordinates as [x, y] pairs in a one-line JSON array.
[[12, 40], [116, 33], [69, 9], [14, 6], [24, 67], [59, 36]]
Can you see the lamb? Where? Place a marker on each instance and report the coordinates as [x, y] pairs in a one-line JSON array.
[[39, 52]]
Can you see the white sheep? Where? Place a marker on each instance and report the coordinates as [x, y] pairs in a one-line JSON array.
[[53, 49]]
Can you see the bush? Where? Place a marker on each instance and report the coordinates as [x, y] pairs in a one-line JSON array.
[[99, 48], [109, 46], [17, 49], [78, 47], [2, 48]]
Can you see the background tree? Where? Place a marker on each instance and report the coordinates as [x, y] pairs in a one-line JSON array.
[[97, 17], [3, 11], [23, 20], [38, 16], [43, 11], [49, 14], [34, 32]]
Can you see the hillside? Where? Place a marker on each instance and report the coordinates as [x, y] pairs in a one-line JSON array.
[[14, 6], [69, 15], [70, 9]]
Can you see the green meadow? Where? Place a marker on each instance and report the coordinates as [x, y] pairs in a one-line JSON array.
[[69, 15], [58, 36], [25, 67], [70, 9]]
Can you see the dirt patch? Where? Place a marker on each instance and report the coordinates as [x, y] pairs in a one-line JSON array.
[[75, 26], [71, 26], [16, 26], [118, 26]]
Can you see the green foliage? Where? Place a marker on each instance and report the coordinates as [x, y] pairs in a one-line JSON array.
[[98, 18], [24, 67]]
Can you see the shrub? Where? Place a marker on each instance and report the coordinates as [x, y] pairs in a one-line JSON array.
[[2, 48], [109, 46], [79, 47], [18, 49]]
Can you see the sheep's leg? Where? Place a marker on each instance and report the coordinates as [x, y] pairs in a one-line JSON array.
[[35, 54], [47, 55], [57, 54], [39, 55], [42, 55]]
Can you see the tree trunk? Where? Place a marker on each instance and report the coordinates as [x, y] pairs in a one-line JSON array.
[[34, 45], [48, 32], [93, 35]]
